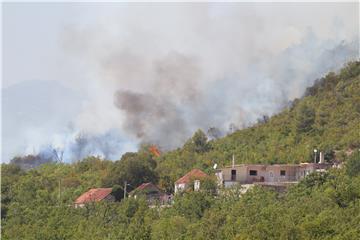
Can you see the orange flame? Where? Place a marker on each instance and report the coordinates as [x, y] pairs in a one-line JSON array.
[[154, 150]]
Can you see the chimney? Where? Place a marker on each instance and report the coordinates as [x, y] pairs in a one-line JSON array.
[[322, 160], [196, 185]]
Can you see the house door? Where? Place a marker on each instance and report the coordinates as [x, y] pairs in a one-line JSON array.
[[271, 176], [233, 175]]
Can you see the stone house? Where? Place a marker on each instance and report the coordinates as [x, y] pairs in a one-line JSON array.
[[195, 177], [94, 195], [265, 173]]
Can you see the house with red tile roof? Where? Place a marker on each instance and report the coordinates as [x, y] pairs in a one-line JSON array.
[[94, 195], [194, 176], [146, 188], [152, 193]]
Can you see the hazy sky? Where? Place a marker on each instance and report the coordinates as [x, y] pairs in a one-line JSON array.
[[120, 74]]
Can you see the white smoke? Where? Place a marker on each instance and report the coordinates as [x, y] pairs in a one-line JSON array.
[[158, 72], [173, 68]]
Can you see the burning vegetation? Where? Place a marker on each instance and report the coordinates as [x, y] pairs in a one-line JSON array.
[[155, 151]]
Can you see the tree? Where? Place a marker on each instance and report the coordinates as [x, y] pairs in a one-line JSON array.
[[173, 227], [31, 161], [263, 119], [133, 168], [198, 143], [79, 147], [166, 183], [10, 174], [192, 205], [353, 164], [214, 133], [305, 118], [232, 128]]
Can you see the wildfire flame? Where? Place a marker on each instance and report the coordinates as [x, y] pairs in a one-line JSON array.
[[154, 150]]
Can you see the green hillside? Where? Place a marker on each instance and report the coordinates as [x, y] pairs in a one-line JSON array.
[[326, 118], [37, 203]]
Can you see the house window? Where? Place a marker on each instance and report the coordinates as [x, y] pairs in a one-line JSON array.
[[233, 175], [282, 173], [253, 173]]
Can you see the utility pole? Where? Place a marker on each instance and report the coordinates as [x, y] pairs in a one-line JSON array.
[[125, 184], [60, 191]]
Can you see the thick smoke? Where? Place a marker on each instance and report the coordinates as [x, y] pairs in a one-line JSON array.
[[155, 73], [164, 109], [177, 104], [149, 117], [184, 67], [168, 114], [107, 145]]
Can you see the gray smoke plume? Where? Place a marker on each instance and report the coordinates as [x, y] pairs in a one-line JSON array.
[[121, 74], [158, 112], [188, 66], [150, 118], [107, 146], [176, 106]]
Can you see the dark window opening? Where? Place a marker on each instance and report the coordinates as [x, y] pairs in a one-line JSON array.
[[253, 173], [282, 173], [233, 175]]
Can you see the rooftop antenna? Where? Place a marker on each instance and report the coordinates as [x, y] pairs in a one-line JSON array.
[[233, 160]]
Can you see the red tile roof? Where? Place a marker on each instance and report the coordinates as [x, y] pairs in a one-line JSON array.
[[93, 195], [146, 185], [195, 173]]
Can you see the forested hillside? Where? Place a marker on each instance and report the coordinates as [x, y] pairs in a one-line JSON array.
[[326, 118], [37, 203]]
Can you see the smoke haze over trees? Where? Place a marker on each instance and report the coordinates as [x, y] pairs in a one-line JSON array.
[[159, 77]]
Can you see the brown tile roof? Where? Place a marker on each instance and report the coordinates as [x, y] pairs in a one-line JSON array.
[[145, 186], [195, 173], [93, 195]]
